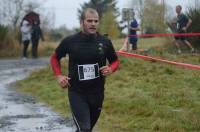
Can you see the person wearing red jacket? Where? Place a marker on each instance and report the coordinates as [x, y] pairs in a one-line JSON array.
[[88, 52]]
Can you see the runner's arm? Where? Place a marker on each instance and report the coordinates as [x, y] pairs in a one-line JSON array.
[[63, 80], [55, 64], [112, 59], [114, 65], [109, 69], [188, 24]]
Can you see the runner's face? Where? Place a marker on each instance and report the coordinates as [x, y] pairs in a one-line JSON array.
[[178, 10], [90, 23]]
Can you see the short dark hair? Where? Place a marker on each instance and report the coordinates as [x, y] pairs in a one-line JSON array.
[[179, 6], [91, 10]]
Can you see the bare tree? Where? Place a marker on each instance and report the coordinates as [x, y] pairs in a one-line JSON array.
[[11, 12], [18, 4], [153, 17], [197, 4], [47, 21]]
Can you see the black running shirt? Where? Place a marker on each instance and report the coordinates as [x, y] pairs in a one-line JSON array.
[[87, 54], [182, 21]]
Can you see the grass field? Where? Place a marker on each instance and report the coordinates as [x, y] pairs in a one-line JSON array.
[[141, 97], [144, 42], [15, 49]]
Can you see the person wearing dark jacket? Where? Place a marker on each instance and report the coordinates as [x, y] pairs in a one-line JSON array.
[[182, 24], [36, 34], [88, 53]]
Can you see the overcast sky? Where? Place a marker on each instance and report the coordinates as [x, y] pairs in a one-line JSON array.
[[66, 10]]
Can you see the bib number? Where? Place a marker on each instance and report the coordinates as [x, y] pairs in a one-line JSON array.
[[88, 71]]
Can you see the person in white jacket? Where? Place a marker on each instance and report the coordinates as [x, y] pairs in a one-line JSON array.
[[26, 36]]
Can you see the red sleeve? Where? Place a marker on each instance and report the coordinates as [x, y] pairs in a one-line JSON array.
[[55, 64], [114, 65]]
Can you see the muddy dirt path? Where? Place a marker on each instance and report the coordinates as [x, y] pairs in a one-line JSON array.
[[21, 113]]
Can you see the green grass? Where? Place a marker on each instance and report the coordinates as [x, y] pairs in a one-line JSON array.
[[146, 96], [45, 48], [144, 42], [141, 97]]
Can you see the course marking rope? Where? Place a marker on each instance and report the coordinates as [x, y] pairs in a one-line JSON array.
[[149, 58], [162, 35]]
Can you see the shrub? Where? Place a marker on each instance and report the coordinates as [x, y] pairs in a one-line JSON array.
[[8, 43], [3, 33]]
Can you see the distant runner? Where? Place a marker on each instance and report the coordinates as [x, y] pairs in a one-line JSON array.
[[182, 24]]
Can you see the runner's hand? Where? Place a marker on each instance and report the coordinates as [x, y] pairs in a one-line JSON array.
[[63, 81], [106, 70], [184, 28]]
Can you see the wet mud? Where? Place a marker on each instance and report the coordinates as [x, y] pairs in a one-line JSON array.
[[22, 113]]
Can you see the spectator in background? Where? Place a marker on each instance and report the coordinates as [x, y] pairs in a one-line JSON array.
[[133, 32], [36, 34], [26, 37], [182, 24], [132, 38]]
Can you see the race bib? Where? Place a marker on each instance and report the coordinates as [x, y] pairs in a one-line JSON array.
[[88, 71]]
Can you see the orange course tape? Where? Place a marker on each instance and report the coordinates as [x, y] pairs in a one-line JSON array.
[[149, 58], [162, 35]]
